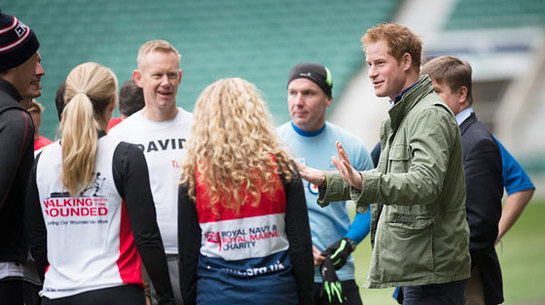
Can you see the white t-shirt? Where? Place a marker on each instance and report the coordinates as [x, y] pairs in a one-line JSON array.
[[163, 144]]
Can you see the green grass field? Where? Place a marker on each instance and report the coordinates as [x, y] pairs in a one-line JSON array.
[[522, 259]]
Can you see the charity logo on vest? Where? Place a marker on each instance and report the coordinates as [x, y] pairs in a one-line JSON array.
[[241, 238], [87, 208]]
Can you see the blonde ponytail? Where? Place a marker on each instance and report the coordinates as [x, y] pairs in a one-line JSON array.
[[79, 144], [90, 89]]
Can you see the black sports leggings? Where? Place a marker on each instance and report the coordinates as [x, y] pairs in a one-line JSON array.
[[11, 291], [119, 295]]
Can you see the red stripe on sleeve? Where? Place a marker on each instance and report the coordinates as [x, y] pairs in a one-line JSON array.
[[129, 262]]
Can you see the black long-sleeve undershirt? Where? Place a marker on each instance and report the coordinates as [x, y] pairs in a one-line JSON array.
[[132, 181], [299, 237]]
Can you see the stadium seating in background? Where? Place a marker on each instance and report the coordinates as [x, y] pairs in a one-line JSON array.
[[257, 40]]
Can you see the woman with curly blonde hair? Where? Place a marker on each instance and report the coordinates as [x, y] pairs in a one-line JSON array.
[[242, 219]]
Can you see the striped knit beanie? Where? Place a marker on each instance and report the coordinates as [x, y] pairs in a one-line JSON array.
[[17, 42]]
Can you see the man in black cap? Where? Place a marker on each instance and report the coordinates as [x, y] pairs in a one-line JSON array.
[[312, 139], [20, 75]]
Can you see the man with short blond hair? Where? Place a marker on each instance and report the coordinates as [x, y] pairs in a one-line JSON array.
[[160, 129], [155, 46]]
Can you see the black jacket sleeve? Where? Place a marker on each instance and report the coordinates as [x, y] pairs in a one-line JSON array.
[[132, 181], [16, 134], [35, 225], [484, 187], [189, 245], [298, 231]]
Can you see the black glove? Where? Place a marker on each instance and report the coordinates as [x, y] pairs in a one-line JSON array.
[[339, 252], [331, 285]]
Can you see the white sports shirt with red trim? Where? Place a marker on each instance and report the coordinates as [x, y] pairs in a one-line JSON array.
[[90, 241], [90, 244]]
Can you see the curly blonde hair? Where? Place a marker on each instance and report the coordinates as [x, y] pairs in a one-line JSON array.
[[233, 146]]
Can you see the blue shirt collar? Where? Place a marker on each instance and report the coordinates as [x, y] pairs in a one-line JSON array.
[[463, 115], [305, 133], [398, 97]]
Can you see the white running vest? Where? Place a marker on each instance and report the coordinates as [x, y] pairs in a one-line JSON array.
[[90, 243]]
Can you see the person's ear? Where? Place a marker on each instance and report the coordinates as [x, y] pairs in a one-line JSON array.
[[137, 77], [111, 106], [328, 101], [407, 61], [462, 94]]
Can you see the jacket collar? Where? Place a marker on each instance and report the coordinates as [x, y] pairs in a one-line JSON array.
[[468, 122], [409, 100], [7, 88], [9, 97], [398, 97]]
